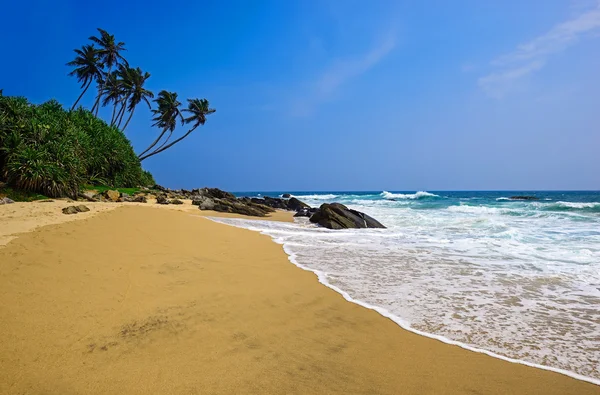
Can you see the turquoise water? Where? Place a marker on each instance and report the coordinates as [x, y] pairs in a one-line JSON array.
[[519, 279]]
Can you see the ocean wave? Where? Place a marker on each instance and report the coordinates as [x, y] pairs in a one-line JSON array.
[[327, 254], [501, 199], [418, 195], [327, 196], [592, 207]]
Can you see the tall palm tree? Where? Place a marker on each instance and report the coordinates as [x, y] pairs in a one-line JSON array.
[[166, 116], [198, 109], [110, 54], [137, 93], [88, 68]]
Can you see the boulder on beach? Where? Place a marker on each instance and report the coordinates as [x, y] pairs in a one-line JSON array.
[[338, 216], [295, 204], [139, 199], [112, 195], [162, 199], [176, 201], [75, 209], [236, 206], [286, 196], [6, 200], [306, 212]]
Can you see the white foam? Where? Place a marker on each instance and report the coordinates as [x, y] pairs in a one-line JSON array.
[[417, 195], [327, 196], [280, 234], [577, 205]]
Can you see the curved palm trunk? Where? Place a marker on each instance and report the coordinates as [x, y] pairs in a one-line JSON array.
[[100, 91], [114, 122], [80, 96], [158, 151], [112, 118], [129, 119], [123, 108], [154, 143]]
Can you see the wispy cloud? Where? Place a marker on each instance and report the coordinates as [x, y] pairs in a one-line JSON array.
[[530, 57], [341, 72]]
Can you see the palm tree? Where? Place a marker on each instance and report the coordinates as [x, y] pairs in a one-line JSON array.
[[134, 85], [109, 54], [165, 116], [199, 109], [88, 67], [112, 91]]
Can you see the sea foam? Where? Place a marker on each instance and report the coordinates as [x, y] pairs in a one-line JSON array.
[[516, 280], [417, 195]]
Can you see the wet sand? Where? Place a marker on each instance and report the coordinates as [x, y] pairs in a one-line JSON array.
[[139, 300]]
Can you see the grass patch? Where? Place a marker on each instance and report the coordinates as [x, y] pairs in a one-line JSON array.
[[20, 196]]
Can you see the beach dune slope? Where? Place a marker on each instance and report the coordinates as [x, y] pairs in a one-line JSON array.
[[146, 301]]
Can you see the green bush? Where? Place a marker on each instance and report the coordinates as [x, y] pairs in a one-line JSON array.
[[48, 150]]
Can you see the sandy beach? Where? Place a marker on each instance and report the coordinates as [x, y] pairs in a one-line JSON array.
[[141, 299]]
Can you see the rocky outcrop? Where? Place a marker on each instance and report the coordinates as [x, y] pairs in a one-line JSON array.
[[286, 196], [112, 195], [139, 199], [162, 199], [6, 200], [306, 212], [338, 216], [295, 204], [75, 209], [524, 197]]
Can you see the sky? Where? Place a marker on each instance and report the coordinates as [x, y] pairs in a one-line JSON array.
[[328, 95]]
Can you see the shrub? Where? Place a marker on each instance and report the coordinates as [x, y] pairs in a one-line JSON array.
[[48, 150]]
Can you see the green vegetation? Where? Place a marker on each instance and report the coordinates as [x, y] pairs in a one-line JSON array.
[[47, 150], [20, 196]]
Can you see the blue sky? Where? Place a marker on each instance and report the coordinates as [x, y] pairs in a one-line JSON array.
[[344, 95]]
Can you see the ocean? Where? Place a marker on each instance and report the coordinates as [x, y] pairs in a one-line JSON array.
[[519, 280]]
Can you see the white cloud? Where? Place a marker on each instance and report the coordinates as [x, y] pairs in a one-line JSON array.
[[341, 72], [344, 70], [532, 56]]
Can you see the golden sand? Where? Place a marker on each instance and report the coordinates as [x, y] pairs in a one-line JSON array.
[[140, 300]]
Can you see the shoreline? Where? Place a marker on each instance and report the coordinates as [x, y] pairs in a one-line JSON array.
[[330, 335], [322, 278]]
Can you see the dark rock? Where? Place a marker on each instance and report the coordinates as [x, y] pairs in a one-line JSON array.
[[275, 203], [236, 206], [6, 200], [139, 199], [75, 209], [303, 212], [162, 199], [286, 196], [524, 197], [89, 196], [295, 204], [176, 201], [216, 193], [338, 216]]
